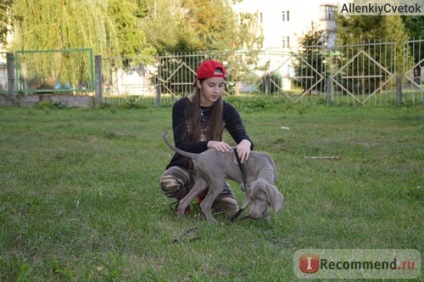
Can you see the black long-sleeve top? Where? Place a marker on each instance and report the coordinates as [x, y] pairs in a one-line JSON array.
[[180, 112]]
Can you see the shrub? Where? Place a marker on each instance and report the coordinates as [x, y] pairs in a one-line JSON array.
[[271, 83]]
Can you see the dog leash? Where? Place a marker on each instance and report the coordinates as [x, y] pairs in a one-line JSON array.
[[243, 177]]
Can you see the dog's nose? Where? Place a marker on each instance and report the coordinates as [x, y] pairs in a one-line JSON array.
[[254, 215]]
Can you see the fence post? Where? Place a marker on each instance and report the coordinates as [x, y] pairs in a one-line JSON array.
[[11, 76], [158, 95], [329, 94], [399, 96], [99, 81]]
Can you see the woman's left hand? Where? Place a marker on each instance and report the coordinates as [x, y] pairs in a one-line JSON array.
[[243, 150]]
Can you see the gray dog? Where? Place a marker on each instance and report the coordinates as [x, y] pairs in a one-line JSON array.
[[213, 167]]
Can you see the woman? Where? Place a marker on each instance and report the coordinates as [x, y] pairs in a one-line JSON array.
[[198, 121]]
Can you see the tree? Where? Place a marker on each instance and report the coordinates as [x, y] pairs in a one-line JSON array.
[[369, 31], [220, 29], [131, 39], [415, 27], [358, 28], [214, 23], [207, 26], [250, 35], [165, 30], [61, 25], [394, 31], [65, 24], [309, 62], [5, 20], [110, 28], [198, 25], [364, 29]]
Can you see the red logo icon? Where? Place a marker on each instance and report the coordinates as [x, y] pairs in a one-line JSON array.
[[309, 263]]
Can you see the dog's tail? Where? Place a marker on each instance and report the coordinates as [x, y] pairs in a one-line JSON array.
[[175, 149]]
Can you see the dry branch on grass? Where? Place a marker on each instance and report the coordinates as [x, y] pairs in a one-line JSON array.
[[322, 157]]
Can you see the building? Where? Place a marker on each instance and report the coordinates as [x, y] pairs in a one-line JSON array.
[[283, 22]]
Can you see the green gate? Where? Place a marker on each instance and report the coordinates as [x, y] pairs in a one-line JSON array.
[[55, 71]]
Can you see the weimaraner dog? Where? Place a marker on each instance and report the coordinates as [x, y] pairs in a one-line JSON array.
[[213, 167]]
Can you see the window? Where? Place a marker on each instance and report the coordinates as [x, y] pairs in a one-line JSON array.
[[286, 41], [326, 12], [259, 17], [285, 16]]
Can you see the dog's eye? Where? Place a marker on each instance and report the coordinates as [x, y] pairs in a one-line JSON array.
[[258, 196]]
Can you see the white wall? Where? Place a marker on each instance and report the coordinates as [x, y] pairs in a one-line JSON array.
[[301, 15]]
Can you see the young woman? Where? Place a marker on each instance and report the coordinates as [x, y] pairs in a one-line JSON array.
[[198, 121]]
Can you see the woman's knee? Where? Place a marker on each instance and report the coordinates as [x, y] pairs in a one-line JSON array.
[[169, 186], [176, 182]]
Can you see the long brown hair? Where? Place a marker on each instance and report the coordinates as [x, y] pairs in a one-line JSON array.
[[215, 121]]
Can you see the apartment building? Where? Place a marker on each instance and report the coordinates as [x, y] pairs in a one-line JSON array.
[[284, 21]]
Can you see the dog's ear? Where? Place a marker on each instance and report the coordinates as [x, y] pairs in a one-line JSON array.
[[274, 197]]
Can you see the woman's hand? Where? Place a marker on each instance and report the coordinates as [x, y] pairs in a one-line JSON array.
[[243, 150], [219, 146]]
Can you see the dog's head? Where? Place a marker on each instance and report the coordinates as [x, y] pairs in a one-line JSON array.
[[260, 195]]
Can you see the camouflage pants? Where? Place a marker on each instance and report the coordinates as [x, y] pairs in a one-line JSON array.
[[176, 182]]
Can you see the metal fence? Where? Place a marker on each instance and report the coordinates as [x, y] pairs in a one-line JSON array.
[[3, 72], [50, 71], [372, 73]]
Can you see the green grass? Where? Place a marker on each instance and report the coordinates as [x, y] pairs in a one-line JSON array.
[[80, 200]]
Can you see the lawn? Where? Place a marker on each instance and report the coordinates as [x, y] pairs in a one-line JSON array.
[[80, 200]]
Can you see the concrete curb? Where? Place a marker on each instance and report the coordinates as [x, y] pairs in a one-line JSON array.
[[59, 100]]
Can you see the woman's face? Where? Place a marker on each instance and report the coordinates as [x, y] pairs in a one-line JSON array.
[[210, 90]]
